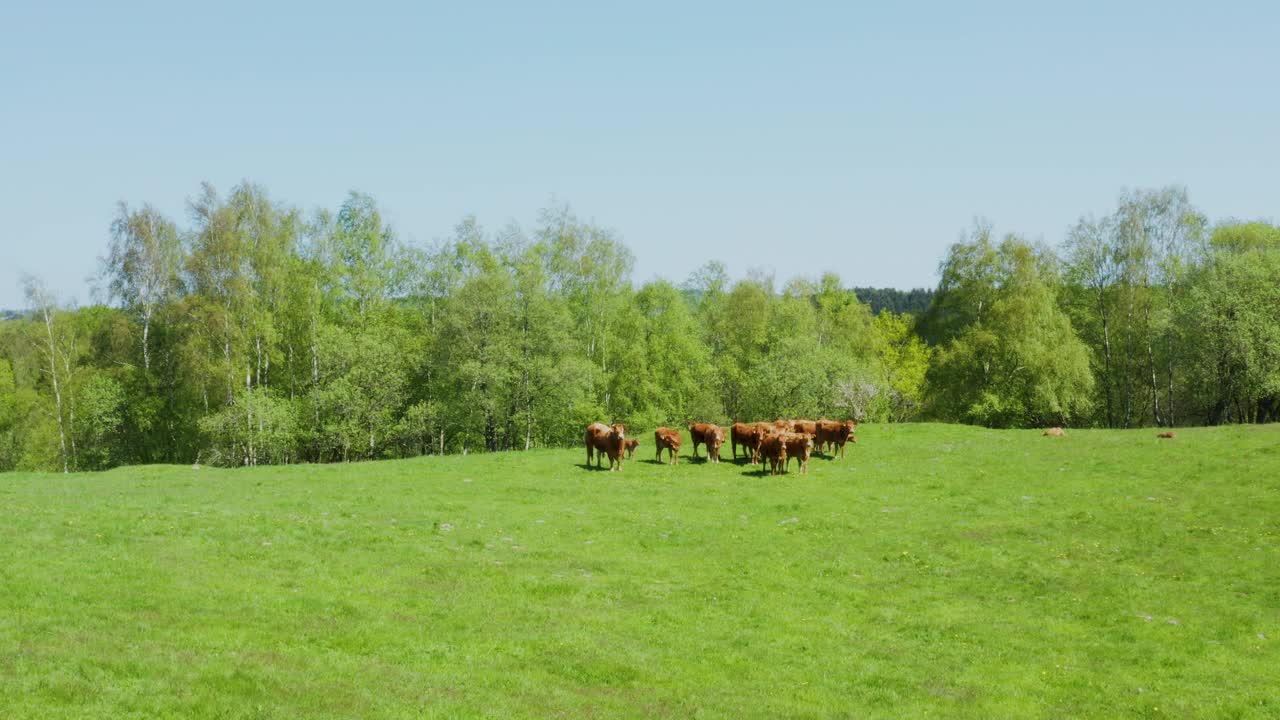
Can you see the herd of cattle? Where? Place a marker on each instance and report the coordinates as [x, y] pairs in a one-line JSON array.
[[777, 442]]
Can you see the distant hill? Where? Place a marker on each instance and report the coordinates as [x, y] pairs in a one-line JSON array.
[[914, 301]]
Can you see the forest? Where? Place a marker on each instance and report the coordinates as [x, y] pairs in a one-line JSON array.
[[252, 332]]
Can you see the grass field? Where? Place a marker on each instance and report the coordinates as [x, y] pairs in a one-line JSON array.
[[937, 571]]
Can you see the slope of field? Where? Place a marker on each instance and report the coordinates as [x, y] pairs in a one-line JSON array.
[[936, 571]]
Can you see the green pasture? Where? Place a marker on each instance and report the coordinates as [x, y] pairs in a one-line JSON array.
[[937, 571]]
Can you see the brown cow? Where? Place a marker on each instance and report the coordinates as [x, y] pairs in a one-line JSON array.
[[1167, 435], [784, 424], [713, 436], [606, 440], [800, 447], [761, 431], [747, 436], [834, 433], [696, 431], [1054, 432], [805, 426], [631, 444], [665, 437], [774, 449]]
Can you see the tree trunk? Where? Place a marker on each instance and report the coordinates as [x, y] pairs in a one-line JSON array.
[[1106, 354], [146, 331], [1155, 390], [1128, 370], [57, 390]]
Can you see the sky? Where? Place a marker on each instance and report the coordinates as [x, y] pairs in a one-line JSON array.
[[797, 138]]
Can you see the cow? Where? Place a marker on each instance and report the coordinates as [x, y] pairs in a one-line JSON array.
[[631, 444], [805, 426], [834, 433], [1054, 432], [713, 436], [774, 449], [1167, 435], [762, 431], [800, 447], [696, 431], [606, 440], [666, 438], [784, 424], [747, 436]]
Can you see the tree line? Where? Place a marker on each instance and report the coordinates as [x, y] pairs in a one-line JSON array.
[[255, 333]]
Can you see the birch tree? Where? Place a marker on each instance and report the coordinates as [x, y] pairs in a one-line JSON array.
[[142, 265], [1092, 266], [51, 343]]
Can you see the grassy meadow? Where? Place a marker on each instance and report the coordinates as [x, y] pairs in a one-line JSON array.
[[940, 571]]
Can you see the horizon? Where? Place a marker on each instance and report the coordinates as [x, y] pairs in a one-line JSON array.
[[824, 138]]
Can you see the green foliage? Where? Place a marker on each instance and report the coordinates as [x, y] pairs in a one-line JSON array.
[[100, 417], [255, 428], [16, 409], [1230, 326], [348, 344], [904, 361], [899, 302], [1017, 362]]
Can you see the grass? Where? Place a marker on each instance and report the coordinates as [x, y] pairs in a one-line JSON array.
[[939, 571]]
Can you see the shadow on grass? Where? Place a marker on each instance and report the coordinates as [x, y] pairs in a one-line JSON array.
[[593, 466]]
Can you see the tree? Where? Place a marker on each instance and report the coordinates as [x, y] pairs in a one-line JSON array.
[[57, 345], [1158, 233], [590, 269], [1092, 265], [101, 401], [142, 264], [1232, 328], [904, 361], [1018, 361]]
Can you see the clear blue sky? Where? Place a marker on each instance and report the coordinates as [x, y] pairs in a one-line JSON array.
[[801, 137]]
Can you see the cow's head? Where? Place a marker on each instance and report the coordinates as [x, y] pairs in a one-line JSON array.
[[618, 431]]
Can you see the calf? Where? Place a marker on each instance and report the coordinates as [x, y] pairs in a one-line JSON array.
[[696, 431], [800, 447], [1053, 432], [668, 439], [774, 449], [631, 444], [1167, 435], [606, 440]]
